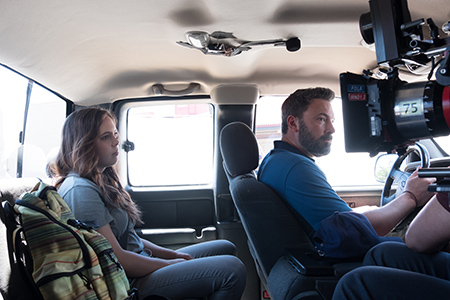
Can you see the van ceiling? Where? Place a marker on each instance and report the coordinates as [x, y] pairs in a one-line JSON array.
[[101, 51]]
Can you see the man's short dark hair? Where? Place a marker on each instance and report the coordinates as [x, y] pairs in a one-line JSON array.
[[298, 102]]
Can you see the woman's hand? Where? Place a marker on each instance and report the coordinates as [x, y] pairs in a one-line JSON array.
[[183, 255], [161, 252]]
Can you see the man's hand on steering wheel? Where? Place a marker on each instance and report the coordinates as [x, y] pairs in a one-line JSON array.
[[418, 187], [396, 174], [409, 185]]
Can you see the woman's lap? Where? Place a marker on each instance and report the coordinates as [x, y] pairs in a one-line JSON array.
[[214, 273]]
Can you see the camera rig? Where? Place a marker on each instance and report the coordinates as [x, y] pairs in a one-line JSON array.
[[442, 176], [386, 114]]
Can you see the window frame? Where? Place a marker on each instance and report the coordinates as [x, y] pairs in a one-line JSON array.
[[121, 109]]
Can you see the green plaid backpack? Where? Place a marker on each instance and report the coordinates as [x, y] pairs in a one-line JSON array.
[[70, 260]]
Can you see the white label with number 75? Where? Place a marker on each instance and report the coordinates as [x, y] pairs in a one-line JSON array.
[[409, 108]]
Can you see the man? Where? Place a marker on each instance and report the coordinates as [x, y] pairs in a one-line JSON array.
[[307, 129], [418, 270]]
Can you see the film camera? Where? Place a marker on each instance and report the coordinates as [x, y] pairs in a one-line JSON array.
[[389, 114]]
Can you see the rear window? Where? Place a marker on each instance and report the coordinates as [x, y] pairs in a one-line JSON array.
[[173, 144]]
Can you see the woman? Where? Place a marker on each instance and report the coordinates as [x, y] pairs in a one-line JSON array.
[[87, 181]]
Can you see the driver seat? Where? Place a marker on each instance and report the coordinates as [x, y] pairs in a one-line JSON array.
[[273, 231]]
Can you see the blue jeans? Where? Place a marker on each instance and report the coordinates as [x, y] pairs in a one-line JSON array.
[[393, 271], [214, 274]]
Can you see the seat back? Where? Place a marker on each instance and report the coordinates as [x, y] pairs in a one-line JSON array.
[[270, 226], [275, 232]]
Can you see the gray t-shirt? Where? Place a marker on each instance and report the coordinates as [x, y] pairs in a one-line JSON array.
[[85, 200]]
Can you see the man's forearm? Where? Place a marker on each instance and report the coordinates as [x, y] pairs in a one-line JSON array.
[[385, 218]]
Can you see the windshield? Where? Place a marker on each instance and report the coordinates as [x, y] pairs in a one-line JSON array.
[[444, 143]]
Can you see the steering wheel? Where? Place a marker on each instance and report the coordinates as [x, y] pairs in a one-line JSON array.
[[400, 176]]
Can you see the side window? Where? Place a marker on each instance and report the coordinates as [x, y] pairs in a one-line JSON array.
[[444, 142], [173, 144], [13, 89], [341, 168], [25, 150]]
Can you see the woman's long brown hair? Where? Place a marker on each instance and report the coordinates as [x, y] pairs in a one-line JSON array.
[[78, 154]]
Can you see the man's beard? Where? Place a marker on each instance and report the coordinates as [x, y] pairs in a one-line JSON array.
[[317, 147]]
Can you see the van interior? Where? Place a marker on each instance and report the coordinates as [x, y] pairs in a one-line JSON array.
[[197, 88]]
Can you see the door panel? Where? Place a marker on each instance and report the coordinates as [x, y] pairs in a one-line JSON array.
[[361, 198], [174, 218]]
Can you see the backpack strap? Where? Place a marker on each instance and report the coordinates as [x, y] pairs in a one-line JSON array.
[[84, 249], [43, 193], [123, 239]]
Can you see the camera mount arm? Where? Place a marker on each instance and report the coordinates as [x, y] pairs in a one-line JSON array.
[[443, 72]]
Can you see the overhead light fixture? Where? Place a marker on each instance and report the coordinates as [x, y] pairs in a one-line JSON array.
[[225, 43], [198, 39]]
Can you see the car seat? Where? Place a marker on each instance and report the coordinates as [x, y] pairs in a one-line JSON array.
[[275, 233]]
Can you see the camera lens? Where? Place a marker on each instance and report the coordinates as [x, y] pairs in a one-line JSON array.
[[422, 110]]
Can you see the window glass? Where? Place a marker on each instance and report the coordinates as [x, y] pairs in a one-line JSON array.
[[444, 142], [46, 115], [342, 169], [173, 145], [45, 120], [13, 89]]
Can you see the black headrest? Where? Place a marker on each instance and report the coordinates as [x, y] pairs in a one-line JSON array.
[[239, 149]]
